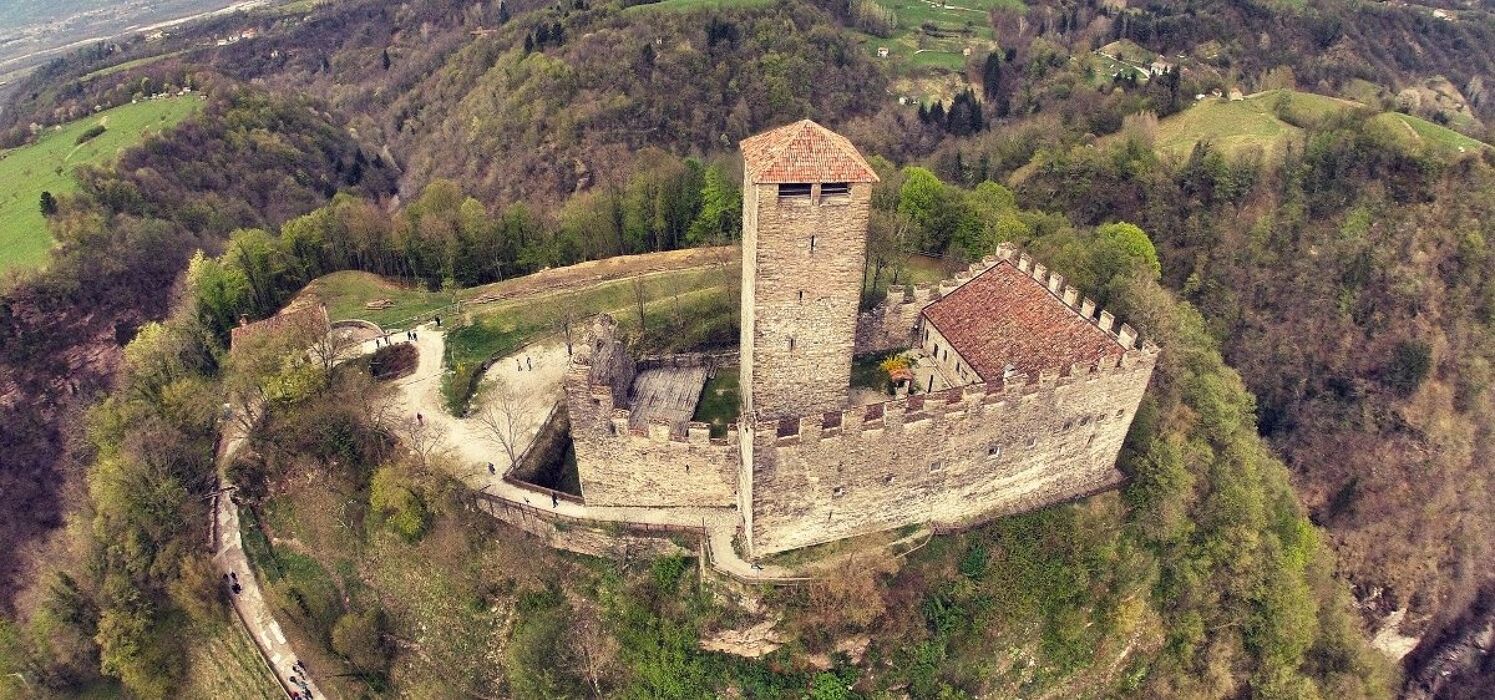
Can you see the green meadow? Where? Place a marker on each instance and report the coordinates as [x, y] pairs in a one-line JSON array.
[[48, 164]]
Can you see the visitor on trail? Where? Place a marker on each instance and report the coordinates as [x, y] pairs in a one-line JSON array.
[[420, 419], [438, 321], [527, 363], [518, 367], [554, 502], [492, 469]]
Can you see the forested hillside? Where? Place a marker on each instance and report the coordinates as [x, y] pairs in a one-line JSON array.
[[248, 159], [1319, 280]]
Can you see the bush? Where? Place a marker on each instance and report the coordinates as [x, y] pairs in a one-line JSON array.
[[359, 638], [393, 361], [91, 133], [1410, 363]]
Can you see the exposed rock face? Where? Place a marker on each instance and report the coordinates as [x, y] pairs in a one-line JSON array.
[[752, 642]]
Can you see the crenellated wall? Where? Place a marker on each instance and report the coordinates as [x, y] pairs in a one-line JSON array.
[[947, 458], [646, 466], [971, 452], [893, 322]]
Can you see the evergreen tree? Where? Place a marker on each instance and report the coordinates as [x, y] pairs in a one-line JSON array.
[[721, 210], [385, 58], [991, 77], [49, 204]]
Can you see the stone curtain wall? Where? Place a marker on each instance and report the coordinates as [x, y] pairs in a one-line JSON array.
[[618, 466], [943, 458], [809, 296]]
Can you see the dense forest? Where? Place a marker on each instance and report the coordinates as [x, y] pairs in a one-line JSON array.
[[1312, 457]]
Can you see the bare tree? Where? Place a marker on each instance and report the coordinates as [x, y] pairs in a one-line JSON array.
[[502, 417], [562, 317], [597, 649], [638, 300], [424, 439], [334, 346]]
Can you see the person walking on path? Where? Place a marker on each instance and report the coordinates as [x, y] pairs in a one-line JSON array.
[[420, 419], [554, 502], [492, 469], [527, 364]]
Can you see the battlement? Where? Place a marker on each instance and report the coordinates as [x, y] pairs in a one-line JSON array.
[[958, 403], [895, 316], [660, 432]]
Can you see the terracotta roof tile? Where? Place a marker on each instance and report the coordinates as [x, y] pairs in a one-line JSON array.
[[1004, 316], [310, 317], [804, 152]]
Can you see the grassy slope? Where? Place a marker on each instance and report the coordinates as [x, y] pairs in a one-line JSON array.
[[48, 164], [1420, 132], [1253, 123], [226, 665]]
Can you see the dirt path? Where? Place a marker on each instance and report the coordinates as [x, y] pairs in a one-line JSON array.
[[471, 447], [249, 603]]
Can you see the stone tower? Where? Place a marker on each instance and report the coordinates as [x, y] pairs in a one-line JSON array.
[[806, 197]]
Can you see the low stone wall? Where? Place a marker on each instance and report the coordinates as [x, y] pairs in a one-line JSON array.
[[618, 542]]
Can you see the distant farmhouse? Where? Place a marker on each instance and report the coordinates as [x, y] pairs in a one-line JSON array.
[[1019, 396]]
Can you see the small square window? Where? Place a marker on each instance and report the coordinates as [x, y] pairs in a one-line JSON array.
[[889, 478], [838, 492], [1120, 412], [935, 466], [994, 451], [835, 189], [1032, 442]]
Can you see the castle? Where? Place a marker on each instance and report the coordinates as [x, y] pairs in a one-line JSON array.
[[1021, 393]]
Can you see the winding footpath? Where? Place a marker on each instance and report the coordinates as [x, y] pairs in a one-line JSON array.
[[249, 603], [534, 374]]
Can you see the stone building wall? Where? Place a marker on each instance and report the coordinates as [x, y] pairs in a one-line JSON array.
[[952, 366], [803, 261], [649, 466], [943, 458]]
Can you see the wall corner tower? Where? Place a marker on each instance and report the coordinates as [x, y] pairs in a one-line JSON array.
[[806, 200]]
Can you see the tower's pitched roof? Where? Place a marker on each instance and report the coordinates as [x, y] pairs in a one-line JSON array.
[[1004, 317], [803, 152]]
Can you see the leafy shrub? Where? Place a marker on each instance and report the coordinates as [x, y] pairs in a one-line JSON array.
[[359, 638], [1410, 363], [91, 133]]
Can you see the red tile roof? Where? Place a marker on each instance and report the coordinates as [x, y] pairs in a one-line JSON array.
[[310, 318], [804, 152], [1003, 316]]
